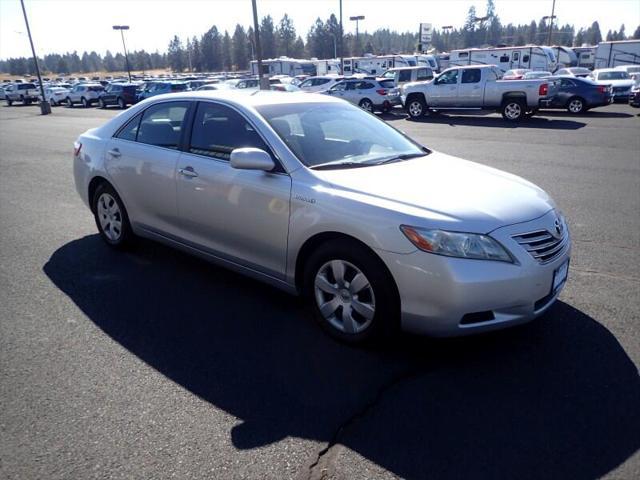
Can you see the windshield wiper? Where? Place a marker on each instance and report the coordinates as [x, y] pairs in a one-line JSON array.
[[338, 165], [399, 158]]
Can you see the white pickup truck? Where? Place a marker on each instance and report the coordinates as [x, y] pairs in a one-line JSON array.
[[21, 92], [477, 87]]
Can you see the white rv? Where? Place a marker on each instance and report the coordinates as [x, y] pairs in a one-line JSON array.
[[565, 56], [427, 60], [330, 66], [586, 56], [284, 66], [612, 54], [377, 65], [533, 57]]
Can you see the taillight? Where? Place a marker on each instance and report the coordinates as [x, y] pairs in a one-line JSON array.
[[381, 91], [77, 146], [602, 89], [543, 90]]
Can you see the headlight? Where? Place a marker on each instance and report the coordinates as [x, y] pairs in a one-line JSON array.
[[456, 244]]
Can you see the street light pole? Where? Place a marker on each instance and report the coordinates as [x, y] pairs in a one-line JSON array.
[[446, 29], [341, 43], [553, 9], [45, 107], [124, 46], [357, 18], [264, 82]]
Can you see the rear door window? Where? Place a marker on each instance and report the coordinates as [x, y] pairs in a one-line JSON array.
[[471, 76], [405, 76], [161, 124]]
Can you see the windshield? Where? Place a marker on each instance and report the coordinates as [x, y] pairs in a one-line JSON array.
[[613, 76], [580, 71], [337, 134]]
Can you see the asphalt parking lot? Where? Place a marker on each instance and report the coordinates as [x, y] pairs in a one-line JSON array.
[[153, 364]]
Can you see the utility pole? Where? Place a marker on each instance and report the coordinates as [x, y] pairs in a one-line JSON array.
[[45, 107], [264, 81], [357, 18]]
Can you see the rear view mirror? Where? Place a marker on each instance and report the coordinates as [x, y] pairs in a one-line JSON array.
[[251, 159]]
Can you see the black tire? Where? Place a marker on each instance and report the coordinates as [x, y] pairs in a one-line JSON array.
[[9, 102], [386, 319], [84, 102], [121, 103], [416, 107], [513, 109], [101, 103], [69, 103], [125, 237], [366, 105], [576, 106]]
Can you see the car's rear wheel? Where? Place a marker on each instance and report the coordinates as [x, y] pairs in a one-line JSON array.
[[111, 217], [121, 103], [9, 102], [366, 104], [101, 103], [352, 295], [575, 105], [416, 107], [84, 102], [513, 110]]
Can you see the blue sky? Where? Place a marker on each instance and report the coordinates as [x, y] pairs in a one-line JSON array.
[[67, 25]]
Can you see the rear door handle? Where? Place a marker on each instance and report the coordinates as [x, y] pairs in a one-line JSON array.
[[188, 172], [114, 152]]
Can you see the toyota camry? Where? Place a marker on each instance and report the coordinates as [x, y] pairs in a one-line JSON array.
[[322, 199]]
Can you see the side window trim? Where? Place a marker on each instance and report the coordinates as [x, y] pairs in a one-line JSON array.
[[189, 131]]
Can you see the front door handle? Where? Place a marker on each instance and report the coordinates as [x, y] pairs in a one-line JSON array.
[[188, 172], [114, 152]]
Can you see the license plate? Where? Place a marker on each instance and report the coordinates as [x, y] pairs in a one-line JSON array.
[[560, 276]]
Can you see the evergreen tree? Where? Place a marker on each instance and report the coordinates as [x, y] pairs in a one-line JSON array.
[[175, 55], [239, 48], [286, 36], [268, 37], [226, 52]]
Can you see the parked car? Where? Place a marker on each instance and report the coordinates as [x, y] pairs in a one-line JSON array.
[[248, 83], [620, 80], [532, 75], [158, 88], [321, 199], [285, 87], [214, 86], [574, 72], [368, 93], [632, 70], [25, 93], [578, 95], [85, 94], [55, 95], [515, 74], [477, 87], [121, 94], [319, 84], [403, 75]]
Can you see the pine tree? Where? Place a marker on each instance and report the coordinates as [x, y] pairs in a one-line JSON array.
[[239, 48], [286, 37], [268, 37]]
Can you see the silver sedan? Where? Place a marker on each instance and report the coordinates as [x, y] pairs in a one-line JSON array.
[[319, 198]]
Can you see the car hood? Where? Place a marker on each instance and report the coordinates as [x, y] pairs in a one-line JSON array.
[[443, 192]]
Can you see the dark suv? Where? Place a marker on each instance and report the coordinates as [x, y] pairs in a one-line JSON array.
[[121, 94]]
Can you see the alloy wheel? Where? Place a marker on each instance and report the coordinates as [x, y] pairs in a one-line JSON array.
[[110, 217], [513, 111], [415, 108], [575, 106], [344, 296]]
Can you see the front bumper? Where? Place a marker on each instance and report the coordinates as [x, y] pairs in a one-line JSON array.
[[444, 296]]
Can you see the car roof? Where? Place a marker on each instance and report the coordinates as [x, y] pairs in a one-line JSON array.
[[242, 98]]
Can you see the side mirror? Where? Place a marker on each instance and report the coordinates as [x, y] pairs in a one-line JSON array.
[[251, 159]]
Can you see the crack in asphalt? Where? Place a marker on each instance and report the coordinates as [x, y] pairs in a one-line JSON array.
[[319, 469]]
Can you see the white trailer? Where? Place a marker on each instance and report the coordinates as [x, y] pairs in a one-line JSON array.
[[565, 56], [377, 65], [329, 66], [534, 57], [612, 54], [284, 66], [586, 56]]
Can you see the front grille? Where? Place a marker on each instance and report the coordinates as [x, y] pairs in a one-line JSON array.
[[542, 245]]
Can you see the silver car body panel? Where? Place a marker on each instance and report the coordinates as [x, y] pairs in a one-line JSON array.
[[257, 222]]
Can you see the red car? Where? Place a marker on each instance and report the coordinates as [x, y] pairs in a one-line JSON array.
[[515, 74]]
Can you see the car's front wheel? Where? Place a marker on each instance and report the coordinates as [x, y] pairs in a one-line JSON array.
[[121, 103], [101, 103], [416, 107], [576, 106], [69, 102], [351, 293], [366, 104], [84, 102], [111, 217]]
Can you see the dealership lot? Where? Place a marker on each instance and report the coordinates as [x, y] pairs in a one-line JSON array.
[[152, 363]]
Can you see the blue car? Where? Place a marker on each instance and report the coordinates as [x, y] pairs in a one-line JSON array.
[[578, 95], [158, 88]]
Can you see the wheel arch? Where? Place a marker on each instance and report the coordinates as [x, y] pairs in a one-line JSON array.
[[507, 96], [313, 242]]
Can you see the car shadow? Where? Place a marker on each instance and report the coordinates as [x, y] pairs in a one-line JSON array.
[[557, 398], [485, 120], [588, 114]]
